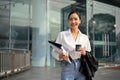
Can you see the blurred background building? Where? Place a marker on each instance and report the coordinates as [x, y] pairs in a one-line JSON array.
[[27, 25]]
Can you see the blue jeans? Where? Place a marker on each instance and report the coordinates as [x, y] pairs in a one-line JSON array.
[[71, 71]]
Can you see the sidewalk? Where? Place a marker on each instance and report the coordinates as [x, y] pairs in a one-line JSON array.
[[107, 74], [36, 73], [109, 65]]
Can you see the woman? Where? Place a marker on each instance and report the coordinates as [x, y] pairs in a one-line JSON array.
[[69, 39]]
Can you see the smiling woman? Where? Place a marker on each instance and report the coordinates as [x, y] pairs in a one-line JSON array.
[[27, 25], [69, 39]]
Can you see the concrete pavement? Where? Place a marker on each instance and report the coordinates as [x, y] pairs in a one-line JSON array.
[[36, 73]]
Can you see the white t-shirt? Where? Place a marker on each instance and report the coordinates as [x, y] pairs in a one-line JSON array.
[[66, 39]]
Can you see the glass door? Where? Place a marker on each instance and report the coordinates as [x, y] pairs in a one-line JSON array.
[[102, 31]]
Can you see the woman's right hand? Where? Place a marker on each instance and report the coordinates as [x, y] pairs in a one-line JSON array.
[[64, 56]]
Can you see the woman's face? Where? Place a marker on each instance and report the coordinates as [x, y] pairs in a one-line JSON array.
[[74, 21]]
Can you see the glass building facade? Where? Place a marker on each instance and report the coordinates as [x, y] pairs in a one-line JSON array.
[[15, 24], [29, 24]]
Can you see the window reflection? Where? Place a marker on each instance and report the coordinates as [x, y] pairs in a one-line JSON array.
[[4, 24], [19, 37], [20, 25], [14, 24], [102, 30]]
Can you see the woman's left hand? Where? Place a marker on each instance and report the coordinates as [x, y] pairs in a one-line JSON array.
[[83, 51]]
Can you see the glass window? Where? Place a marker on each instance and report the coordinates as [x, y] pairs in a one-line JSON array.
[[4, 24], [20, 25], [102, 30], [15, 24]]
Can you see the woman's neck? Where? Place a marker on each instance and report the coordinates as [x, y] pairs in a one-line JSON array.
[[74, 31]]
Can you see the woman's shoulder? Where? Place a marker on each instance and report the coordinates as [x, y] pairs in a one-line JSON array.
[[64, 32], [84, 35]]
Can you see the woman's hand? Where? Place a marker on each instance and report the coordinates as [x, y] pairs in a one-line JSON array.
[[64, 56], [83, 51]]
